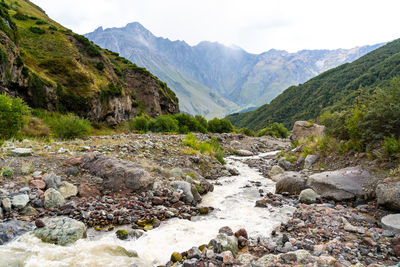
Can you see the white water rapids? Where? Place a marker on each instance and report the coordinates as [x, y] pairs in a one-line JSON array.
[[234, 203]]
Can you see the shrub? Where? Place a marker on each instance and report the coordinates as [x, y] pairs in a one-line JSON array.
[[203, 122], [20, 16], [35, 128], [391, 146], [53, 28], [275, 129], [247, 131], [37, 30], [41, 22], [213, 147], [3, 55], [164, 123], [140, 124], [188, 124], [93, 51], [13, 113], [69, 126], [220, 126], [7, 172], [100, 66]]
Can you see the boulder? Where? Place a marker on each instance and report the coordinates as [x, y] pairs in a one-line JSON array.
[[6, 203], [275, 170], [86, 191], [53, 199], [228, 243], [176, 173], [187, 191], [68, 190], [20, 201], [12, 229], [38, 183], [391, 223], [21, 152], [293, 184], [388, 195], [61, 231], [341, 184], [304, 129], [118, 174], [52, 180], [309, 161], [244, 153], [308, 196], [288, 174], [29, 211]]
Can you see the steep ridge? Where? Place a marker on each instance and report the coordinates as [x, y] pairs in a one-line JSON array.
[[236, 78], [50, 67], [331, 90]]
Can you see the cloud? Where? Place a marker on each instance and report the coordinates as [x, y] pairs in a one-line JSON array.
[[255, 25]]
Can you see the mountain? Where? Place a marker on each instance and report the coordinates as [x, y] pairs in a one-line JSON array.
[[330, 91], [50, 67], [212, 79]]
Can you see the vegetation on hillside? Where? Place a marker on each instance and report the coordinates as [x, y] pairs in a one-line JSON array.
[[333, 90]]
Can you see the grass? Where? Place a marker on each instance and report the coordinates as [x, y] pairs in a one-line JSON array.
[[213, 147]]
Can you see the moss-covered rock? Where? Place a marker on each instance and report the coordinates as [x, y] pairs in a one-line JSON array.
[[122, 234], [176, 257]]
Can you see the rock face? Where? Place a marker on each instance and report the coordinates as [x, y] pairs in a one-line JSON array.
[[53, 199], [291, 184], [340, 184], [308, 196], [392, 223], [118, 174], [61, 231], [11, 229], [304, 129], [388, 195]]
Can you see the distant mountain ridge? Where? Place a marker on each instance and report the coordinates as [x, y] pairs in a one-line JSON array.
[[212, 79]]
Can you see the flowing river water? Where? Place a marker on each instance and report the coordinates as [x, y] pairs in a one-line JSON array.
[[234, 203]]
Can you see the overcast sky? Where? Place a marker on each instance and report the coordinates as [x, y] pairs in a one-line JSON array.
[[255, 25]]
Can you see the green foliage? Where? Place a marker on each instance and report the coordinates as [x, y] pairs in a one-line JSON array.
[[112, 90], [247, 132], [12, 115], [91, 49], [275, 129], [69, 126], [37, 30], [391, 146], [3, 55], [203, 122], [188, 124], [213, 147], [333, 90], [164, 123], [100, 66], [53, 28], [41, 22], [35, 128], [140, 123], [220, 126], [20, 16], [7, 173], [7, 25]]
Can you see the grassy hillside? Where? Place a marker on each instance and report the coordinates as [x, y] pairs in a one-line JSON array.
[[330, 91], [62, 70]]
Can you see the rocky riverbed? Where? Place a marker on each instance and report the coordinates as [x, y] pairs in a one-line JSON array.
[[142, 181]]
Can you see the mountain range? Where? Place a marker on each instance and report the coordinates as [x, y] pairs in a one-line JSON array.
[[212, 79]]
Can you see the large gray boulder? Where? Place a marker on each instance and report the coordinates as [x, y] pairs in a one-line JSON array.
[[341, 184], [304, 129], [388, 195], [52, 180], [191, 195], [391, 223], [288, 174], [292, 184], [309, 161], [118, 174], [12, 229], [61, 231], [53, 199]]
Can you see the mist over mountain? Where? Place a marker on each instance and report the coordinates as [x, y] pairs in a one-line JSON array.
[[212, 79]]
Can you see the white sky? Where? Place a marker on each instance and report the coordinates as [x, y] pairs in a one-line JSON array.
[[255, 25]]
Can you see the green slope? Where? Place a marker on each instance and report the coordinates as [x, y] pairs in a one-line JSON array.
[[331, 90]]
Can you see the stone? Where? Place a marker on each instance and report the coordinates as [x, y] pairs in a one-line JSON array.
[[68, 190], [227, 257], [12, 229], [388, 195], [187, 191], [29, 211], [228, 243], [302, 255], [118, 174], [292, 184], [241, 232], [339, 185], [176, 173], [86, 191], [190, 263], [308, 196], [122, 234], [266, 260], [61, 231], [285, 174], [194, 253], [226, 230], [176, 257], [52, 180], [39, 223], [40, 184], [53, 199], [309, 161], [289, 257], [244, 153], [245, 259], [21, 152], [286, 165], [305, 129], [20, 201], [275, 170], [391, 223], [6, 203]]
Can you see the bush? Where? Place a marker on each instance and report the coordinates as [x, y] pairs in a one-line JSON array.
[[41, 22], [13, 113], [7, 172], [20, 16], [391, 146], [100, 66], [220, 126], [188, 124], [37, 30], [164, 123], [203, 122], [275, 129], [35, 128], [140, 124], [3, 55], [213, 147], [53, 28], [247, 131], [69, 126]]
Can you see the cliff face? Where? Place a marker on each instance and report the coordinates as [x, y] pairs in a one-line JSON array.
[[50, 67]]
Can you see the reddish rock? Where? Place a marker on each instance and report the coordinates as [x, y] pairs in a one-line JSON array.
[[87, 191], [73, 161], [157, 201], [39, 223], [40, 184], [241, 232]]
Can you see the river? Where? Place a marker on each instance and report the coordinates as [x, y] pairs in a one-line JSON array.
[[234, 202]]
